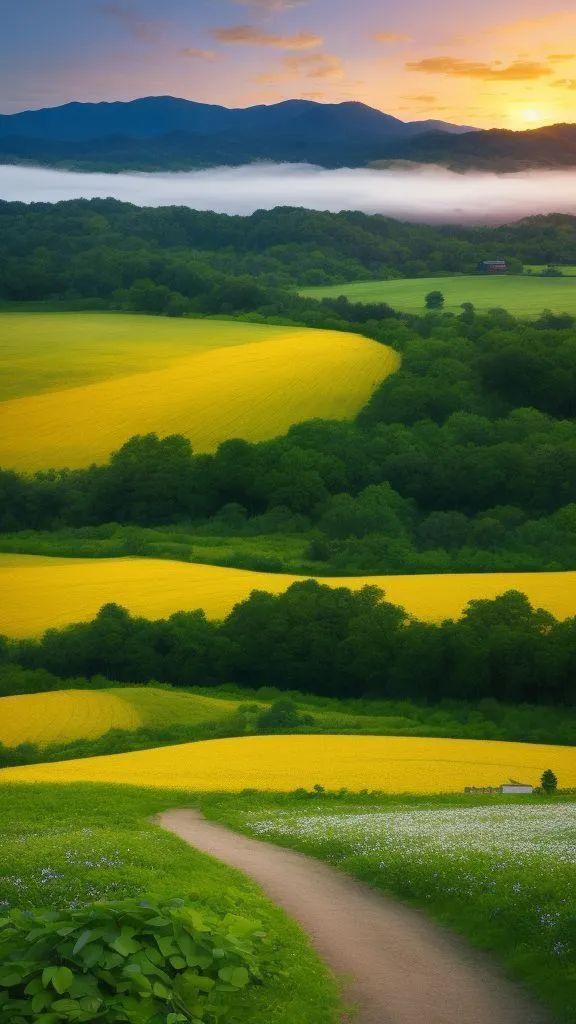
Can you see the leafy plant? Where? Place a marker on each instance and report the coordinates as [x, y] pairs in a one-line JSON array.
[[140, 961]]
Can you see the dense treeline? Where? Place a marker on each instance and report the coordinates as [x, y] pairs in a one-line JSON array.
[[102, 249], [504, 485], [330, 642]]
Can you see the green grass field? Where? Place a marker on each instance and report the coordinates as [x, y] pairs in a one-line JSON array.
[[522, 296], [568, 270], [501, 871], [63, 846]]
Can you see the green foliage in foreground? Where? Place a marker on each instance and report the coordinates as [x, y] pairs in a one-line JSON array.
[[66, 846], [500, 871], [140, 960]]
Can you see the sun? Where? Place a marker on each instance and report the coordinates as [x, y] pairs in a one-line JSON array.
[[532, 116]]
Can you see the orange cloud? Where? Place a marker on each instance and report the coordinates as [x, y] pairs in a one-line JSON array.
[[558, 57], [519, 70], [310, 65], [252, 36], [426, 98], [567, 83], [391, 37]]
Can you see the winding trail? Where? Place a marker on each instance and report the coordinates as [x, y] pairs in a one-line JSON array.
[[400, 967]]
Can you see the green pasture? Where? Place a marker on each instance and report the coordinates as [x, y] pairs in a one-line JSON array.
[[521, 295], [567, 270], [71, 845]]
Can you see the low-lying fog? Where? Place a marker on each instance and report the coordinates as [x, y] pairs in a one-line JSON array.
[[417, 193]]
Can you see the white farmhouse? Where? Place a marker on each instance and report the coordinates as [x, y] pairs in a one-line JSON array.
[[516, 788]]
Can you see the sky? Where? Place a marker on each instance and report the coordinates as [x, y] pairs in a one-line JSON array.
[[502, 63]]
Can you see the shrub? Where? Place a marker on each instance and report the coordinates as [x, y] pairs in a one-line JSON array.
[[549, 782], [139, 961], [282, 716]]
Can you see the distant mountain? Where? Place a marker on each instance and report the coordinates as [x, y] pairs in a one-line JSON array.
[[495, 149], [163, 131], [164, 115]]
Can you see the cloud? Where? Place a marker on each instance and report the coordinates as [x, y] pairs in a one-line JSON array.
[[195, 54], [519, 70], [146, 30], [567, 83], [391, 37], [424, 98], [309, 65], [253, 36], [556, 58]]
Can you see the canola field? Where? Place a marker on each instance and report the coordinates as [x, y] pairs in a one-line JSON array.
[[522, 296], [65, 715], [392, 764], [81, 384], [50, 592]]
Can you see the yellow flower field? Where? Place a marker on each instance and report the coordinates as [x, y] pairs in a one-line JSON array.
[[65, 715], [46, 592], [74, 402], [44, 718], [395, 764]]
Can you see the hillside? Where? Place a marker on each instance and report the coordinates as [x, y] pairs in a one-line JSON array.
[[497, 149], [62, 716], [392, 764], [164, 131], [208, 380], [52, 592]]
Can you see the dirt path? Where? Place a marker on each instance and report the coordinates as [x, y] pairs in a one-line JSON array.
[[399, 967]]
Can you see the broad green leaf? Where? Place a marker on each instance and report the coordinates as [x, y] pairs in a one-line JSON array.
[[62, 979], [236, 976], [83, 940]]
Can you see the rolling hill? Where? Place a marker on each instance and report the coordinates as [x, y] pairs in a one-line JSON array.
[[393, 764], [84, 383], [61, 716], [53, 592]]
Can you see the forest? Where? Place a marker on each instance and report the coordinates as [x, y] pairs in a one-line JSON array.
[[325, 641], [92, 249]]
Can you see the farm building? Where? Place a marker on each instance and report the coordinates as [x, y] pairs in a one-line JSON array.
[[516, 787], [511, 788], [493, 267]]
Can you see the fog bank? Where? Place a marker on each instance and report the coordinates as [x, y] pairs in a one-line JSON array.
[[418, 193]]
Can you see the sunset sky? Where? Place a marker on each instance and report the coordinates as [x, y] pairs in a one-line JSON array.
[[509, 63]]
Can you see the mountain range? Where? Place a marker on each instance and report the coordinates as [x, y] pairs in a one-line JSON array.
[[164, 132]]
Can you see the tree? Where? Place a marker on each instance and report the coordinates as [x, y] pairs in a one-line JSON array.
[[282, 716], [549, 782], [434, 300]]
